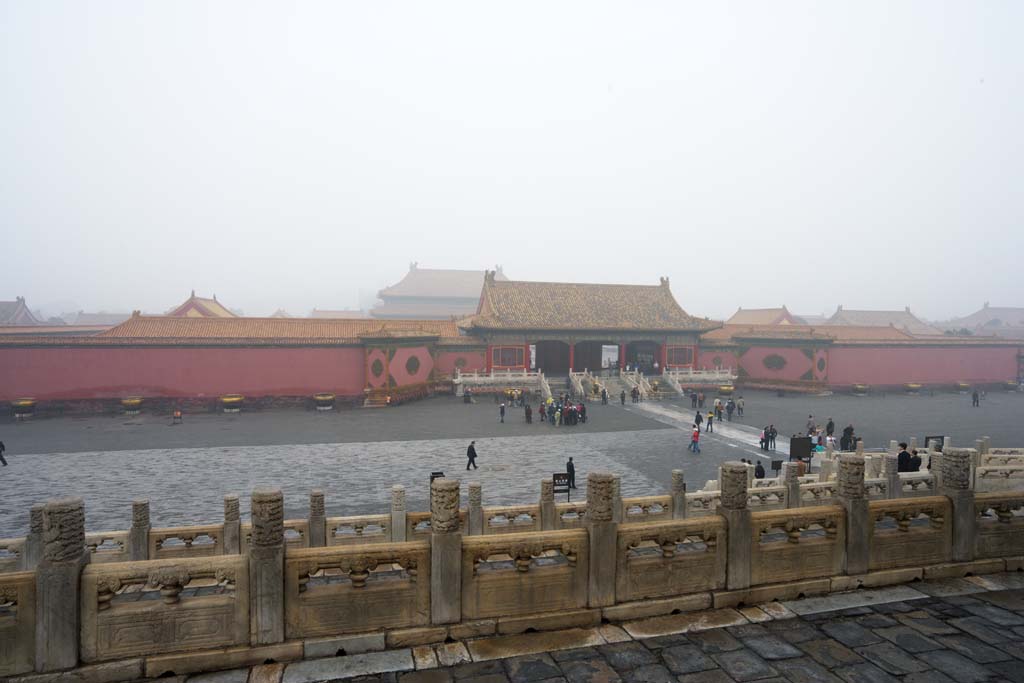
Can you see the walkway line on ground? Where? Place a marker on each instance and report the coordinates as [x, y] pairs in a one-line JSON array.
[[744, 437]]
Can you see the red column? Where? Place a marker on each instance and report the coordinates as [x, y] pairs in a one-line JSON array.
[[622, 356], [526, 356], [488, 359], [572, 355], [664, 357]]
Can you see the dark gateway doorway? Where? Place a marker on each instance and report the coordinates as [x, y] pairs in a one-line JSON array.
[[552, 357], [588, 355], [641, 355]]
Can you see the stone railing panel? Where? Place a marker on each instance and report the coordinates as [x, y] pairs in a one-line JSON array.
[[910, 533], [350, 589], [358, 530], [516, 574], [818, 493], [296, 534], [997, 458], [108, 546], [571, 515], [702, 503], [999, 530], [511, 519], [186, 541], [17, 623], [917, 484], [133, 609], [999, 478], [876, 489], [12, 553], [802, 543], [766, 498], [417, 524], [670, 558], [645, 509]]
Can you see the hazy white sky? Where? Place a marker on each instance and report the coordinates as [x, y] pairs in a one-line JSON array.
[[294, 154]]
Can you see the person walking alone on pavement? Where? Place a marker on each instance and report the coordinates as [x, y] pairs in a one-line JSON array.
[[570, 469], [695, 440], [2, 449], [622, 397], [471, 456], [975, 399], [709, 424], [501, 413]]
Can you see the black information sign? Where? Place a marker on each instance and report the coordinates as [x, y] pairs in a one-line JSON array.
[[561, 483]]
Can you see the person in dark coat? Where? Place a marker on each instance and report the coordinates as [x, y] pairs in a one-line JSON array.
[[471, 456], [915, 461], [501, 412], [529, 414], [2, 449], [830, 428], [699, 419], [846, 440], [903, 460], [758, 470], [975, 399], [772, 434], [570, 469], [622, 397]]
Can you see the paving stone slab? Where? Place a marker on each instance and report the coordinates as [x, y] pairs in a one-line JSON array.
[[747, 630], [864, 673], [1011, 600], [661, 642], [1011, 671], [430, 676], [576, 654], [590, 671], [804, 670], [794, 630], [625, 656], [686, 659], [956, 666], [715, 641], [830, 653], [424, 657], [892, 659], [772, 648], [925, 623], [529, 668], [228, 676], [876, 621], [715, 676], [948, 587], [683, 623], [981, 629], [652, 673], [930, 676], [501, 647], [974, 649], [450, 654], [851, 633], [744, 665], [908, 639], [471, 669], [996, 615], [860, 598], [487, 678], [315, 670]]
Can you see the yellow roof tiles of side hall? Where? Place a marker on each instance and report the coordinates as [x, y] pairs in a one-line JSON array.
[[200, 307], [166, 327], [516, 304]]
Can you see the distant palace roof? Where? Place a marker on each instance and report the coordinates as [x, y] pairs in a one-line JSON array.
[[347, 314], [1002, 321], [199, 307], [522, 305], [825, 333], [17, 313], [101, 318], [439, 283], [904, 320], [242, 329], [764, 316]]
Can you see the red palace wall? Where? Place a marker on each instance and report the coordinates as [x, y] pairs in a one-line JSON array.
[[472, 361], [116, 372], [879, 365]]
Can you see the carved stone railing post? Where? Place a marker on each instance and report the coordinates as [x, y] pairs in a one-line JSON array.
[[397, 513], [851, 494], [733, 507], [232, 544], [913, 444], [138, 535], [548, 511], [34, 540], [827, 469], [935, 467], [266, 568], [445, 552], [859, 447], [791, 480], [616, 498], [317, 519], [678, 495], [988, 443], [890, 470], [956, 485], [603, 531], [476, 509], [58, 584]]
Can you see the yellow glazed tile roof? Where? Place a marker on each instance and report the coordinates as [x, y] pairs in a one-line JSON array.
[[165, 327]]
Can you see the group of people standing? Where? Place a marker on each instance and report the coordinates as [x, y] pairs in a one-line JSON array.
[[561, 411]]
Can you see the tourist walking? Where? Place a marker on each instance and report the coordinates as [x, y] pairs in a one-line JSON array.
[[700, 400], [772, 433], [975, 399], [471, 456], [541, 411], [622, 397], [730, 408], [693, 400], [764, 438], [830, 428], [739, 407], [570, 469], [695, 440], [810, 424], [904, 460], [529, 414], [2, 449], [501, 413], [846, 440], [709, 426], [699, 419]]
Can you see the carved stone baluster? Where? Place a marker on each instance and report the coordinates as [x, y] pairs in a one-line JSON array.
[[317, 519], [138, 535], [549, 520], [476, 509], [34, 540], [58, 584], [956, 482], [266, 568], [603, 531], [678, 495], [733, 507], [398, 534], [791, 480], [232, 534], [445, 552], [854, 500], [890, 470]]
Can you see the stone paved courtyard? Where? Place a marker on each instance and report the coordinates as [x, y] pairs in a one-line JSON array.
[[356, 455], [938, 631]]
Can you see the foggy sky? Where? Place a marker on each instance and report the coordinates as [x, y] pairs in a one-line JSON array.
[[293, 155]]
